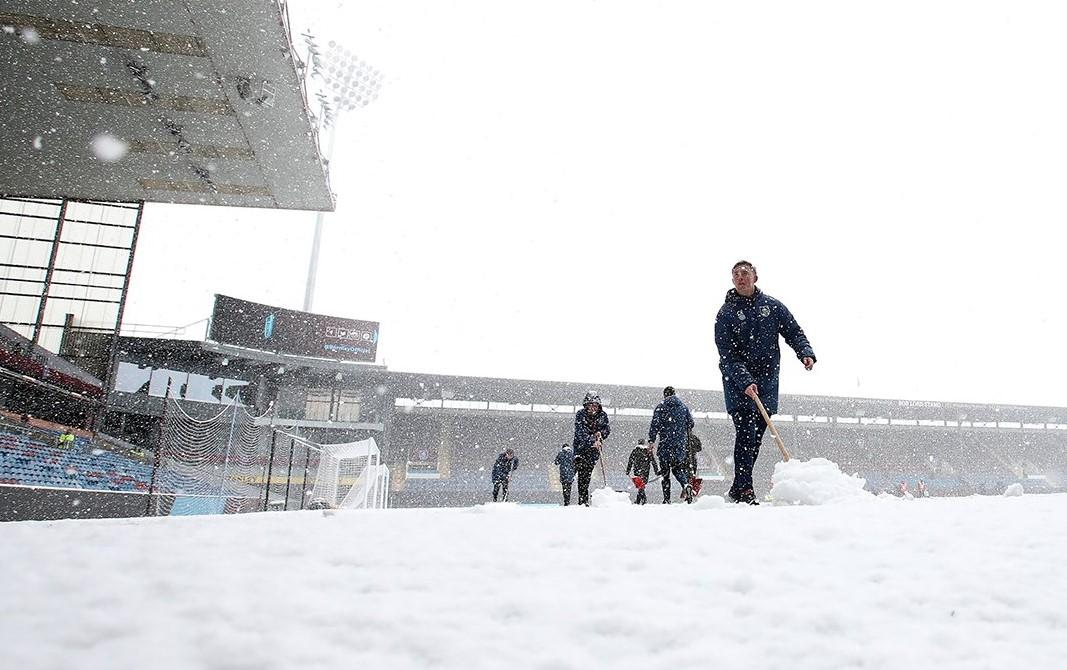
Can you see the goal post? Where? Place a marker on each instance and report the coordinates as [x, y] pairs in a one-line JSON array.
[[351, 476]]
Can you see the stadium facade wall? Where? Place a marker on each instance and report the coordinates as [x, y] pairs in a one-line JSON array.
[[31, 503]]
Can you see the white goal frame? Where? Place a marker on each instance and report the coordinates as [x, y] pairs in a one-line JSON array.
[[351, 476]]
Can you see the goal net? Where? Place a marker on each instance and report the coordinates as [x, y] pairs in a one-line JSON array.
[[209, 464], [351, 476]]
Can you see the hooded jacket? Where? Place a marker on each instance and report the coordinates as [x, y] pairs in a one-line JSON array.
[[503, 467], [565, 461], [746, 334], [641, 459], [586, 426], [692, 446], [671, 423]]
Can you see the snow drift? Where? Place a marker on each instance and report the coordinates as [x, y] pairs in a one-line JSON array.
[[814, 482], [952, 584]]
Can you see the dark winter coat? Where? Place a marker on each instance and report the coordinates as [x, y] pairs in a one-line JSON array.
[[565, 461], [692, 445], [504, 466], [746, 334], [671, 423], [641, 459], [586, 426]]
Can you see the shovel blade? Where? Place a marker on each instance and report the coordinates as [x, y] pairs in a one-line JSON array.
[[696, 483]]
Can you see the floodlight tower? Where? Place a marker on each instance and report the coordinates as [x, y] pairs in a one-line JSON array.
[[348, 83]]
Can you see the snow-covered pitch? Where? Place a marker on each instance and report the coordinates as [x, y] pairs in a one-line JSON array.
[[862, 582]]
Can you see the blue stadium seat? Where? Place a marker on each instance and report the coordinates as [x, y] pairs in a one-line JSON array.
[[29, 461]]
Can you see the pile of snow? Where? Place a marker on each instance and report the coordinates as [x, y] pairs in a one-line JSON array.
[[605, 497], [814, 482], [1015, 489]]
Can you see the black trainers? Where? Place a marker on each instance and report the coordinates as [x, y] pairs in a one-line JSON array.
[[747, 496]]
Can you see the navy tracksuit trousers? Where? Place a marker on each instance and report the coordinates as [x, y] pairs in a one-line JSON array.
[[680, 469], [749, 427]]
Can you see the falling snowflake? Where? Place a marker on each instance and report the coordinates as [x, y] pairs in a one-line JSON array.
[[109, 148]]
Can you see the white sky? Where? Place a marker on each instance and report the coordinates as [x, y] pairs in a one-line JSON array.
[[557, 190]]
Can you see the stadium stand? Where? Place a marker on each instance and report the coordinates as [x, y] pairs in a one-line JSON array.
[[32, 460], [449, 454]]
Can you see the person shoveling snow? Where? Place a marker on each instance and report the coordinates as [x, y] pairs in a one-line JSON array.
[[746, 334], [637, 467], [591, 428], [671, 423]]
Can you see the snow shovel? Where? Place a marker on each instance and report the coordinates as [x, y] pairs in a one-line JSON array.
[[600, 448], [770, 424], [695, 483], [640, 482], [603, 474]]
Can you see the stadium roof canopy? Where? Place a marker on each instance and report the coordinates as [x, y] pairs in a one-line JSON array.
[[204, 96], [428, 386], [217, 360]]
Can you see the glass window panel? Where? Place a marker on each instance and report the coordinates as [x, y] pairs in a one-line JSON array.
[[317, 406], [348, 406]]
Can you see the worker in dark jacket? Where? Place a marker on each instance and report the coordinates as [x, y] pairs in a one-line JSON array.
[[641, 460], [565, 461], [590, 429], [506, 463], [692, 446], [671, 423], [746, 334]]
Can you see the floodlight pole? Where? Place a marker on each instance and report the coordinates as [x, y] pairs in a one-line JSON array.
[[354, 85], [313, 264]]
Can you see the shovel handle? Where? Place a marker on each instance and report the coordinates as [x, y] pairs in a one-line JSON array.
[[770, 424], [600, 448]]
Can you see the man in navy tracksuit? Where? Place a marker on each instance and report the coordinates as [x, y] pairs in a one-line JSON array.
[[506, 463], [671, 423], [746, 334], [590, 427], [565, 461]]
